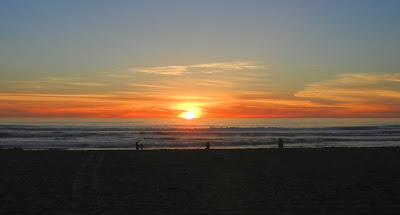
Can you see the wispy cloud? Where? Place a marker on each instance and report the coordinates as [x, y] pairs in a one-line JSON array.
[[50, 81], [355, 87], [213, 83], [163, 70], [89, 84], [204, 68], [231, 65], [116, 74], [358, 79], [150, 86], [78, 81], [275, 99], [83, 98]]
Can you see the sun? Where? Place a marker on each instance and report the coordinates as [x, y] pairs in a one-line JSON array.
[[189, 115], [190, 112]]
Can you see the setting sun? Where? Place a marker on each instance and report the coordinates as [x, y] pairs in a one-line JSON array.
[[189, 111], [189, 115]]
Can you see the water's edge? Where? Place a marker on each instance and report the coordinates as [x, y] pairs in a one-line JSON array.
[[222, 134]]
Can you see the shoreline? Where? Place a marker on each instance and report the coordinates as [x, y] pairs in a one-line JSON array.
[[187, 148]]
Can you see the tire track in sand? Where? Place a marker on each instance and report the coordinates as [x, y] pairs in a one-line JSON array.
[[86, 185], [95, 183], [79, 183]]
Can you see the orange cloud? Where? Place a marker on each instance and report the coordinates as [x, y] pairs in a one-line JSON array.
[[361, 94], [347, 95]]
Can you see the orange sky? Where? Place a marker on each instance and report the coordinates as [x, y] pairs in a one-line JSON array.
[[347, 95], [220, 90], [162, 59]]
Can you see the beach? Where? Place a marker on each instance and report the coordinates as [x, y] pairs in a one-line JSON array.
[[242, 181]]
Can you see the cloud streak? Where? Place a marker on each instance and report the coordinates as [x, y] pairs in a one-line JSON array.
[[204, 68], [231, 66], [52, 82], [354, 87], [150, 86], [163, 70]]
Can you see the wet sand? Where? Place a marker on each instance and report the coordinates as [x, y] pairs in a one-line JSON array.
[[263, 181]]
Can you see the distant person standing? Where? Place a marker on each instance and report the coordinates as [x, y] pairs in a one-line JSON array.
[[208, 145], [141, 146], [280, 143], [137, 146]]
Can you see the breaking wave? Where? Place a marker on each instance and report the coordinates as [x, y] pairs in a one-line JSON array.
[[170, 136]]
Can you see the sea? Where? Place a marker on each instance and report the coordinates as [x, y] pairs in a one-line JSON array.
[[122, 134]]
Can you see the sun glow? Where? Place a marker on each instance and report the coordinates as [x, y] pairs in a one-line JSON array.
[[189, 115], [190, 111]]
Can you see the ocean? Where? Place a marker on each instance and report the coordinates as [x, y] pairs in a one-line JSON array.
[[101, 133]]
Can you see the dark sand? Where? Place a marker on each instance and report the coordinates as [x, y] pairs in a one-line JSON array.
[[265, 181]]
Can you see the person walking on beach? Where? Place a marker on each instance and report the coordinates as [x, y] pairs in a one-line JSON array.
[[141, 146], [137, 146], [208, 145], [280, 143]]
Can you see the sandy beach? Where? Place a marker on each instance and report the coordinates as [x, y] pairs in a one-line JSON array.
[[252, 181]]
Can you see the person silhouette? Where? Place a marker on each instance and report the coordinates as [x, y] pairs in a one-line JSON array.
[[137, 146], [141, 146], [280, 143], [208, 145]]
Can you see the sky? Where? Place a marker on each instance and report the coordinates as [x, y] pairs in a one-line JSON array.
[[211, 59]]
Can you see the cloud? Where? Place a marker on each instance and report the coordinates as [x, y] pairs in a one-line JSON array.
[[89, 84], [203, 68], [51, 82], [163, 70], [355, 87], [87, 105], [213, 83], [268, 98], [150, 86], [82, 98], [358, 79], [70, 81], [231, 65]]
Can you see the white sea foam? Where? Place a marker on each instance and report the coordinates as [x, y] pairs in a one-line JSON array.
[[240, 133]]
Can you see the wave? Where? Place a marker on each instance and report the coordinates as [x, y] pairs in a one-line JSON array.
[[7, 133], [178, 136], [183, 128]]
